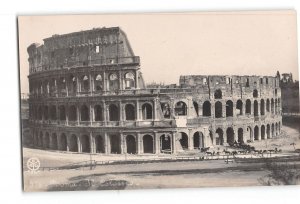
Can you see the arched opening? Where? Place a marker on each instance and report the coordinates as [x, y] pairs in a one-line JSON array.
[[255, 93], [239, 107], [276, 128], [100, 145], [62, 113], [206, 108], [113, 82], [165, 143], [98, 113], [113, 112], [147, 111], [131, 144], [73, 145], [85, 143], [72, 113], [229, 109], [279, 127], [46, 143], [196, 107], [272, 106], [180, 108], [129, 112], [184, 141], [268, 105], [256, 133], [165, 108], [218, 109], [84, 113], [115, 147], [53, 112], [63, 142], [46, 111], [241, 135], [73, 84], [40, 113], [218, 94], [129, 80], [148, 144], [262, 132], [62, 85], [248, 106], [85, 85], [41, 140], [273, 130], [198, 140], [249, 133], [98, 83], [255, 108], [268, 131], [54, 141], [230, 136], [262, 107], [276, 107], [219, 137]]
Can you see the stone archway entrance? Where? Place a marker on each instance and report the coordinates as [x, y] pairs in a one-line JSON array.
[[130, 144], [148, 144], [184, 141], [165, 143]]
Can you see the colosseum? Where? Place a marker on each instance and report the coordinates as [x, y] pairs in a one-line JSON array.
[[87, 95]]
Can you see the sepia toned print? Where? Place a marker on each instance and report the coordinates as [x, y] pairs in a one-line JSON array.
[[91, 120]]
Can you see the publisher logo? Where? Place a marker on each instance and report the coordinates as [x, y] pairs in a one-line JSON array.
[[33, 164]]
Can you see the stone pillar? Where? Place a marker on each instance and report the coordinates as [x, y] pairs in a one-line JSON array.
[[79, 144], [106, 143], [78, 114], [120, 80], [136, 79], [244, 108], [91, 115], [91, 84], [235, 133], [212, 109], [67, 115], [173, 143], [188, 113], [137, 110], [121, 112], [92, 143], [223, 108], [138, 143], [191, 140], [155, 109], [78, 85], [122, 143], [104, 109], [156, 150], [104, 82]]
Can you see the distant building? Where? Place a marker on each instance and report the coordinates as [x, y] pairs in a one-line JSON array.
[[289, 94]]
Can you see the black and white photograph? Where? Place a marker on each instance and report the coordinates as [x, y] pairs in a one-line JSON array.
[[159, 100]]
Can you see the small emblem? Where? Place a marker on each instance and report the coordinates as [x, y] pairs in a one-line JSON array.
[[33, 164]]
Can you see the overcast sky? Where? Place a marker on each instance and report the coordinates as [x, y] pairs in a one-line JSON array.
[[170, 45]]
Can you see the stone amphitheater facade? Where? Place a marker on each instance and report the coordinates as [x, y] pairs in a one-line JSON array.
[[87, 95]]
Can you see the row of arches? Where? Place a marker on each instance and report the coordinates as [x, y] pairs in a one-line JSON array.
[[261, 108], [97, 112], [218, 94], [83, 83], [265, 131]]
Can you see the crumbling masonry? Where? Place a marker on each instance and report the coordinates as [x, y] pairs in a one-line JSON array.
[[87, 94]]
